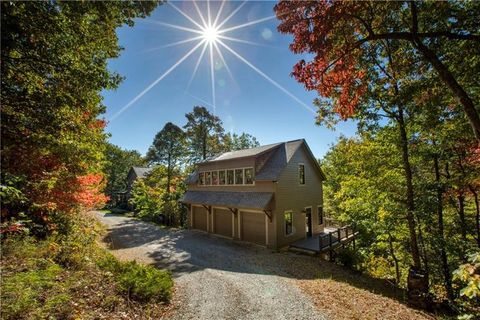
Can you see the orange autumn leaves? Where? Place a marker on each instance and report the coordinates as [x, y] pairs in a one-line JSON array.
[[333, 72]]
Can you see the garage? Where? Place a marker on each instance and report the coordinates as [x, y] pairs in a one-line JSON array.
[[222, 220], [199, 218], [253, 227]]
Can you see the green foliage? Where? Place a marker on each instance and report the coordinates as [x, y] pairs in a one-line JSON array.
[[145, 283], [118, 163], [54, 67], [350, 258], [469, 276], [142, 283], [146, 200], [61, 276], [234, 141], [204, 132]]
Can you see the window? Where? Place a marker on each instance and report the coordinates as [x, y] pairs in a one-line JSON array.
[[229, 176], [288, 222], [221, 177], [215, 177], [249, 176], [238, 176], [320, 214], [201, 178], [208, 178], [301, 173]]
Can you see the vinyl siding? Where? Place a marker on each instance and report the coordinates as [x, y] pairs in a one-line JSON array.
[[290, 195]]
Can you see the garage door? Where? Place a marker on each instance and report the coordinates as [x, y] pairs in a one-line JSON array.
[[253, 227], [199, 218], [223, 222]]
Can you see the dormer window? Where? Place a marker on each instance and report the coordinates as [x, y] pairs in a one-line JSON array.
[[230, 180], [227, 177], [208, 178], [238, 176], [221, 177], [249, 176], [301, 173], [215, 178]]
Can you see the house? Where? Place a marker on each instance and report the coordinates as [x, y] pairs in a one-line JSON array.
[[136, 173], [269, 195]]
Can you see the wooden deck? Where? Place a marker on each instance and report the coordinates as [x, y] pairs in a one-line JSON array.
[[329, 239]]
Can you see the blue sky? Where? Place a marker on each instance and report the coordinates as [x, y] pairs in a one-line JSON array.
[[245, 103]]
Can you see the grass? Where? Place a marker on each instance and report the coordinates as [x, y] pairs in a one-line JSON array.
[[61, 279]]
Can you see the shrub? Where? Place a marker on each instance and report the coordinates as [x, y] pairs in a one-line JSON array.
[[349, 258], [145, 283], [139, 282]]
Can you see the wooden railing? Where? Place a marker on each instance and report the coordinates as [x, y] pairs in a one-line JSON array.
[[332, 223], [334, 238]]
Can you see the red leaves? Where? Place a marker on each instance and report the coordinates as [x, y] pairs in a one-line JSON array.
[[89, 193], [326, 29]]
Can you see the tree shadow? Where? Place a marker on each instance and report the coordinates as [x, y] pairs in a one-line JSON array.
[[186, 251]]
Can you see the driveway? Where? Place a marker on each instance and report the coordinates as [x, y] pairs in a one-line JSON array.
[[215, 278]]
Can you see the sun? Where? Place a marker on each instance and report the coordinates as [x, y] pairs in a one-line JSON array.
[[210, 34]]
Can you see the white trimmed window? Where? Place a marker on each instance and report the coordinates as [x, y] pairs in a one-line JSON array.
[[221, 177], [214, 178], [208, 178], [301, 173], [288, 215], [230, 179], [320, 214], [248, 179], [238, 176]]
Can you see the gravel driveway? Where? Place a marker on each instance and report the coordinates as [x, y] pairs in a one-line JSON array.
[[214, 278]]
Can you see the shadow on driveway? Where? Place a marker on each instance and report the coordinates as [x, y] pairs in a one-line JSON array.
[[185, 251]]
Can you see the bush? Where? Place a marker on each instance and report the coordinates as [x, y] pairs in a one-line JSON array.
[[139, 282], [145, 283], [349, 258], [70, 274]]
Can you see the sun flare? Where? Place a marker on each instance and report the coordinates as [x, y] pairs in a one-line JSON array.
[[210, 34]]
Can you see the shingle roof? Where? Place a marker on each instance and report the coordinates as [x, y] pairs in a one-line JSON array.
[[141, 172], [281, 153], [279, 159], [243, 153], [245, 200]]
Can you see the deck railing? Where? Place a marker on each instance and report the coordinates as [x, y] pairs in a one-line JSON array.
[[332, 223], [334, 238]]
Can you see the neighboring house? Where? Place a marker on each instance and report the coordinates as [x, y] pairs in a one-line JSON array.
[[135, 173], [270, 195]]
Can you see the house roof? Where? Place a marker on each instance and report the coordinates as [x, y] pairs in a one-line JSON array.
[[242, 153], [141, 172], [246, 200], [281, 154]]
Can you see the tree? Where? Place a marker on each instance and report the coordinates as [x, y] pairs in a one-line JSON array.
[[341, 33], [54, 66], [204, 132], [118, 163], [168, 148], [234, 141]]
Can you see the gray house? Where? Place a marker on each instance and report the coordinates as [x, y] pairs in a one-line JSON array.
[[269, 195], [136, 173]]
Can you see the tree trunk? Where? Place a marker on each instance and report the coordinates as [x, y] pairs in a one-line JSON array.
[[461, 214], [410, 196], [204, 146], [395, 259], [477, 215], [443, 254], [451, 82]]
